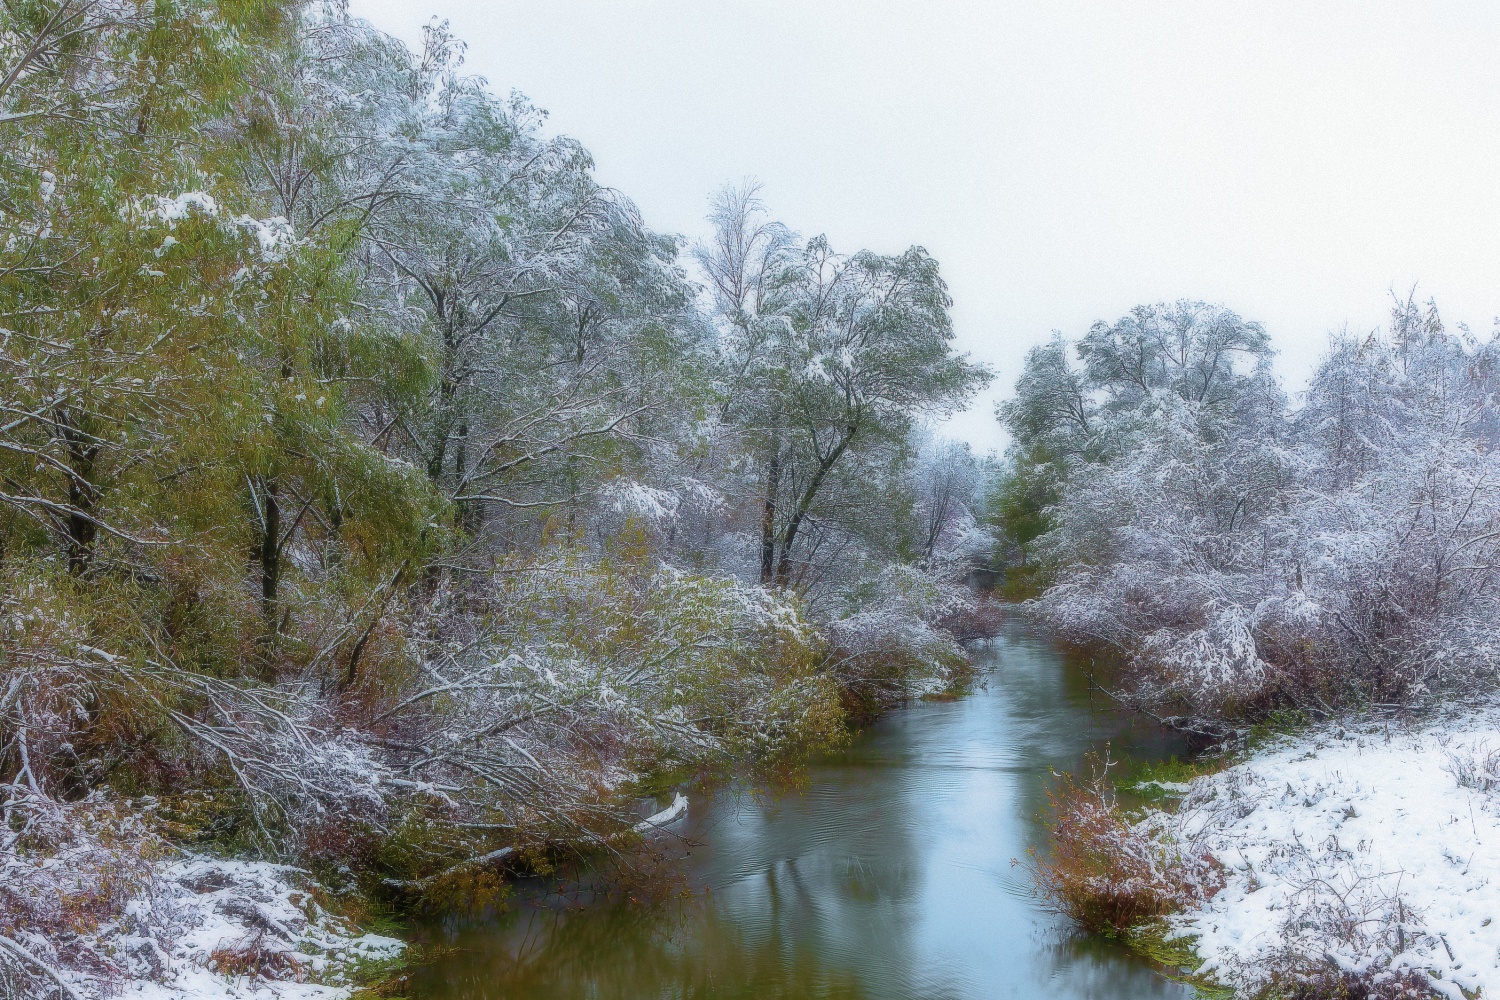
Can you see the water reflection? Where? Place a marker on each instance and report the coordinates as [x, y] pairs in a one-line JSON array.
[[889, 877]]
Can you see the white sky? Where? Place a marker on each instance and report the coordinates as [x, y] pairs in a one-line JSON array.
[[1063, 162]]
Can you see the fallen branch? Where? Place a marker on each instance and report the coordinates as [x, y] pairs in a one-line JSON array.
[[29, 958]]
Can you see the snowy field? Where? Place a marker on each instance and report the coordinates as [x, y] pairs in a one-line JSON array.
[[1376, 848]]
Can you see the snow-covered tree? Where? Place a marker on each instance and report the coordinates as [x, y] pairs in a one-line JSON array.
[[1243, 555], [827, 355]]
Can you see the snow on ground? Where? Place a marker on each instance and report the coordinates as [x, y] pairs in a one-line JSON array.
[[215, 929], [1372, 846], [670, 814]]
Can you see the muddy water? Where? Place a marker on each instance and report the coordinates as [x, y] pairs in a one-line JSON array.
[[889, 877]]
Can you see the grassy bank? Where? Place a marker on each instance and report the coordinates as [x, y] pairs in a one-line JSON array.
[[1342, 860]]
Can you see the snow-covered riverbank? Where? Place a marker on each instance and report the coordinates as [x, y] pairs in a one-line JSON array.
[[1374, 847], [204, 929]]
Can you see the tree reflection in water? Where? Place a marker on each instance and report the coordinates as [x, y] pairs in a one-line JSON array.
[[889, 876]]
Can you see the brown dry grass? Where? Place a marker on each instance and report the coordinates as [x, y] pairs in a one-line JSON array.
[[1108, 873], [251, 956]]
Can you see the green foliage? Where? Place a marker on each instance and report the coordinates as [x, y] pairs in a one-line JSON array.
[[1019, 506], [829, 361], [743, 661], [1175, 956]]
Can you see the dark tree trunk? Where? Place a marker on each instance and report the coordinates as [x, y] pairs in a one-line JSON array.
[[270, 549], [81, 528], [768, 517], [804, 504], [83, 454]]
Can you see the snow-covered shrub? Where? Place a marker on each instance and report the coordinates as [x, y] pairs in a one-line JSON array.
[[95, 903], [885, 643], [66, 871], [1215, 664], [567, 678], [1238, 555]]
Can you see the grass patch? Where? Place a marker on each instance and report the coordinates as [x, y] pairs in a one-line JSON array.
[[382, 978], [1151, 781], [1277, 724], [390, 978]]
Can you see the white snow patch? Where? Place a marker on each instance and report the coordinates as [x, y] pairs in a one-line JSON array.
[[1373, 847], [201, 906], [670, 814], [180, 206], [274, 237], [639, 500]]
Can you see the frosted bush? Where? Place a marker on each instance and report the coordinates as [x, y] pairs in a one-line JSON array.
[[1240, 553], [1215, 664]]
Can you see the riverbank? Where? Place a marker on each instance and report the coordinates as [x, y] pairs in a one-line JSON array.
[[186, 927], [130, 896], [885, 875], [1358, 856]]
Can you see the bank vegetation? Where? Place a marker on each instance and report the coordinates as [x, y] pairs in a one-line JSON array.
[[381, 497]]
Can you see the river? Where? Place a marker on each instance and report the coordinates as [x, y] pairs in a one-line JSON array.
[[889, 877]]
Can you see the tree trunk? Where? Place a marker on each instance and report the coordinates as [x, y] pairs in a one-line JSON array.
[[270, 550], [768, 517], [789, 537], [82, 495]]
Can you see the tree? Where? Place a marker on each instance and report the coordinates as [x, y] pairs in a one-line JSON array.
[[827, 353], [1242, 556], [948, 498], [544, 307], [117, 276]]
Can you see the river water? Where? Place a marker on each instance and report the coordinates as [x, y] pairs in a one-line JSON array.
[[888, 877]]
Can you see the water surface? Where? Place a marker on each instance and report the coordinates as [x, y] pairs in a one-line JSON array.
[[890, 877]]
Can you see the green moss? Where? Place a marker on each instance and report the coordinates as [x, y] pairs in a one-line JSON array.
[[1142, 779], [1173, 769], [1276, 724], [1176, 958]]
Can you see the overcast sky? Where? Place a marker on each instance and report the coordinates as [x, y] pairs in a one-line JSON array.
[[1063, 162]]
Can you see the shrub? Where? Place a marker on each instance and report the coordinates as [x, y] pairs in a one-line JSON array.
[[1108, 873], [1327, 982], [887, 641]]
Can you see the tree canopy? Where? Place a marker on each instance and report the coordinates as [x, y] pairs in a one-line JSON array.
[[372, 472]]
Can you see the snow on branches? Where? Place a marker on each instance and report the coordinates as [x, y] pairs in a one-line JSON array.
[[1240, 553]]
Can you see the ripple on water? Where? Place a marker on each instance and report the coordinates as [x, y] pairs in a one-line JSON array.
[[888, 876]]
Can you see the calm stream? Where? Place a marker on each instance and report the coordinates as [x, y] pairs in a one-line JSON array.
[[888, 877]]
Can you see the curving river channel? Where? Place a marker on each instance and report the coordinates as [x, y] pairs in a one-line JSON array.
[[889, 877]]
